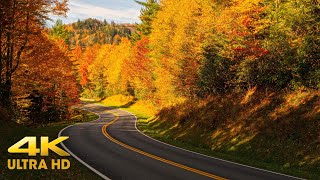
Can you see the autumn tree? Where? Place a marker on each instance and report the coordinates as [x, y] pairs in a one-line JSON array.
[[233, 48], [102, 72], [98, 74], [46, 72], [89, 56], [180, 30], [117, 82], [19, 19], [90, 31], [139, 70], [261, 43], [194, 48]]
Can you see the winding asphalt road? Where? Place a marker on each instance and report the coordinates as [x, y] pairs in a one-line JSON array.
[[113, 148]]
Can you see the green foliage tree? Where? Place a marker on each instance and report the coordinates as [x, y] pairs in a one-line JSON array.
[[148, 13], [59, 31], [273, 44], [293, 43], [215, 76]]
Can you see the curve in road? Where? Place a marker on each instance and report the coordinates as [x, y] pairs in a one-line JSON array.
[[114, 148]]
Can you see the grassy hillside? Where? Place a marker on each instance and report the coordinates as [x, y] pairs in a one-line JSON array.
[[276, 131], [11, 132]]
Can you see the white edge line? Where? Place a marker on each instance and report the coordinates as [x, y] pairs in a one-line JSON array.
[[207, 155], [77, 158]]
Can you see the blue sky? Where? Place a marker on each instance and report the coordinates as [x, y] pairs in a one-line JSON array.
[[120, 11]]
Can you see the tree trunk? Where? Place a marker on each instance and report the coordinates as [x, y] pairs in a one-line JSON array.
[[5, 93]]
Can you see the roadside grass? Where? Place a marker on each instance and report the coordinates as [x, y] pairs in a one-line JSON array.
[[143, 109], [12, 132], [155, 130], [272, 131]]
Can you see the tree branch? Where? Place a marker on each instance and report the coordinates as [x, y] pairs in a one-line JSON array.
[[23, 45]]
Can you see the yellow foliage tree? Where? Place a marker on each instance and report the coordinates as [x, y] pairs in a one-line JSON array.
[[180, 30]]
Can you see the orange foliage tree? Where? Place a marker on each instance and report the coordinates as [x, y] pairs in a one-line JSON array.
[[139, 70], [47, 70], [19, 19], [88, 57]]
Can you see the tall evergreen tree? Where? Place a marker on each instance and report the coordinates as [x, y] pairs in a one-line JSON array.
[[59, 31], [148, 13]]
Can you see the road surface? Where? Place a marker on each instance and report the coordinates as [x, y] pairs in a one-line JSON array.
[[113, 148]]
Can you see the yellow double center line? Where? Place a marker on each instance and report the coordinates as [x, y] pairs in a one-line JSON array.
[[104, 131]]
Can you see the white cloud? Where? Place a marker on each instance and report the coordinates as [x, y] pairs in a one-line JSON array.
[[84, 10], [113, 11]]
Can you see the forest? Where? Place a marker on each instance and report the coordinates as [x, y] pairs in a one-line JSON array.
[[39, 65], [230, 74], [212, 48], [236, 77]]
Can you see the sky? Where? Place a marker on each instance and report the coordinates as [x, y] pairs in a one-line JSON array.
[[120, 11]]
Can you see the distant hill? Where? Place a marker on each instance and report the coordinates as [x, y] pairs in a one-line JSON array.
[[92, 31]]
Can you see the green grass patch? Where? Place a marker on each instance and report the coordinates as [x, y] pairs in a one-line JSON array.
[[11, 132]]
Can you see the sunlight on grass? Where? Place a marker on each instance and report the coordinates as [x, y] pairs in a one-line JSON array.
[[118, 100], [242, 127], [146, 107], [216, 133], [129, 102], [264, 102], [248, 95], [246, 139], [292, 101]]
